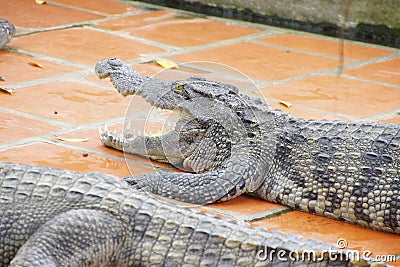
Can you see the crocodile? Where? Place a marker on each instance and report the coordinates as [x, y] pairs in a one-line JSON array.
[[54, 217], [7, 31], [231, 144]]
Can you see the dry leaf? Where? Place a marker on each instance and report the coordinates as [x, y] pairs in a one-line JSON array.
[[7, 90], [73, 140], [40, 2], [285, 103], [35, 64], [167, 64]]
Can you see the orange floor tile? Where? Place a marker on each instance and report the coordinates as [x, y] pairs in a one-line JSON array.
[[337, 95], [187, 30], [57, 105], [386, 71], [80, 48], [31, 15], [326, 46], [260, 61]]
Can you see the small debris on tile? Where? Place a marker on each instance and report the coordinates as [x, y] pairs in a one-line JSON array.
[[285, 103], [167, 64], [2, 79], [72, 140], [7, 90], [40, 2], [35, 64], [55, 112], [85, 154]]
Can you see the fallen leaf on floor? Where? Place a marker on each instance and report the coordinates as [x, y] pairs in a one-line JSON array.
[[167, 64], [35, 64], [7, 90], [285, 103], [73, 140], [2, 79], [40, 2]]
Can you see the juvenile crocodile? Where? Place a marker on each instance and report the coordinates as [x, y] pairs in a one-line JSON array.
[[7, 31], [52, 217], [234, 144]]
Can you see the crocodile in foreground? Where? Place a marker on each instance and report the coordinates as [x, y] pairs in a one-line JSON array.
[[233, 144], [52, 217]]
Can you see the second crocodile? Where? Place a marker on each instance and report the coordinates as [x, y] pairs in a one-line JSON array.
[[233, 144]]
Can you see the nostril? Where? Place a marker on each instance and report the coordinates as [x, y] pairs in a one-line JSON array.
[[115, 61]]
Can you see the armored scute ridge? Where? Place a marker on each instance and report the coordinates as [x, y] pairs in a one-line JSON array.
[[234, 144]]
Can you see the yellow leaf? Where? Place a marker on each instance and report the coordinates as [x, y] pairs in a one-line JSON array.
[[35, 64], [285, 103], [73, 140], [40, 2], [167, 64], [7, 90]]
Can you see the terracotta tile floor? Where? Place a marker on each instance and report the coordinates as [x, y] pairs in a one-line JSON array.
[[63, 98]]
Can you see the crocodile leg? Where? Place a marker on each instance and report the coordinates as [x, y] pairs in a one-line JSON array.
[[86, 236], [224, 183]]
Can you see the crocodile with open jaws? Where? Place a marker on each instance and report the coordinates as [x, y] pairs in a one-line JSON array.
[[52, 217], [233, 144]]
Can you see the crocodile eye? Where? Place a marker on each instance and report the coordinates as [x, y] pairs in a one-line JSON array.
[[115, 62]]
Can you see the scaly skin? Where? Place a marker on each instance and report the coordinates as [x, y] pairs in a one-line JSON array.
[[53, 217], [236, 144], [7, 31]]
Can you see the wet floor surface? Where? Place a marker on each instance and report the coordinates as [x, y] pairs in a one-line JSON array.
[[58, 103]]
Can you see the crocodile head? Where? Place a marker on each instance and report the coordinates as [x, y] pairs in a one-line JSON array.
[[7, 31], [184, 95], [215, 119]]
